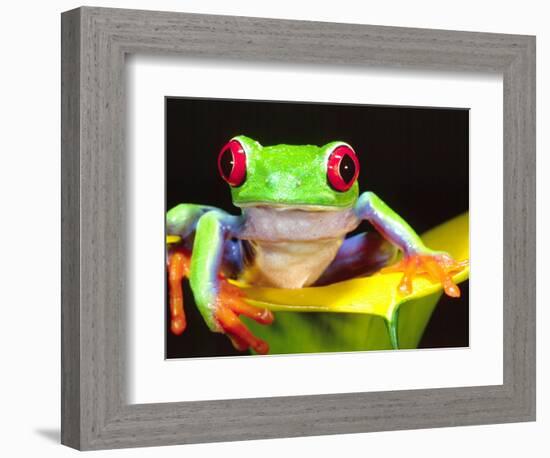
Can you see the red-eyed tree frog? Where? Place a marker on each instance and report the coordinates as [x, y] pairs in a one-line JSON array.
[[297, 204]]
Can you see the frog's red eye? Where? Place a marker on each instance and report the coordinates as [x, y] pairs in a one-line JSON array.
[[342, 168], [232, 163]]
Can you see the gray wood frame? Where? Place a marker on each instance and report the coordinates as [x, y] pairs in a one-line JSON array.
[[95, 414]]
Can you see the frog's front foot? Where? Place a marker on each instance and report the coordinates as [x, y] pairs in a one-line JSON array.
[[230, 304], [438, 266]]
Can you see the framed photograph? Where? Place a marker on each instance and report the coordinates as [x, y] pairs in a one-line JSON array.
[[292, 259], [279, 228]]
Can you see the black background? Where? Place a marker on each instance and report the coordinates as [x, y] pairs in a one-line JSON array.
[[415, 159]]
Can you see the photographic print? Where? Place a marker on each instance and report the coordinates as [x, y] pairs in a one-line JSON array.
[[300, 227]]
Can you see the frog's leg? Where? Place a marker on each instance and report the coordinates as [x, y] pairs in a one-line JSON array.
[[179, 260], [360, 255], [219, 302], [417, 258], [188, 241], [181, 222]]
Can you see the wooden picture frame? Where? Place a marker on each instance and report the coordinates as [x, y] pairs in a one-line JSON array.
[[95, 413]]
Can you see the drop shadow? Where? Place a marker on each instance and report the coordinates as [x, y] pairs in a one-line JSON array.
[[53, 435]]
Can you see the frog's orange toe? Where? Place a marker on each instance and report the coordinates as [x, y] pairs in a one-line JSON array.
[[233, 297], [438, 267], [230, 305], [238, 343], [178, 325], [408, 265], [452, 290], [240, 335]]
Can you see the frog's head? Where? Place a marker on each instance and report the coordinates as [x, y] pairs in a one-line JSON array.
[[290, 175]]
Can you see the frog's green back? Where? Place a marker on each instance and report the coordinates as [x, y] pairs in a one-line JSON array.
[[289, 175]]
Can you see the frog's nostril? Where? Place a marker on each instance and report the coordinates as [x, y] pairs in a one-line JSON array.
[[294, 182]]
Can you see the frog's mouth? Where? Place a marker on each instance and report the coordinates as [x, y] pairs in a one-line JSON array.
[[287, 207], [285, 223]]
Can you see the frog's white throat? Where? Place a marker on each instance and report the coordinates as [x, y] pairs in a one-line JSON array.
[[292, 247], [296, 223]]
